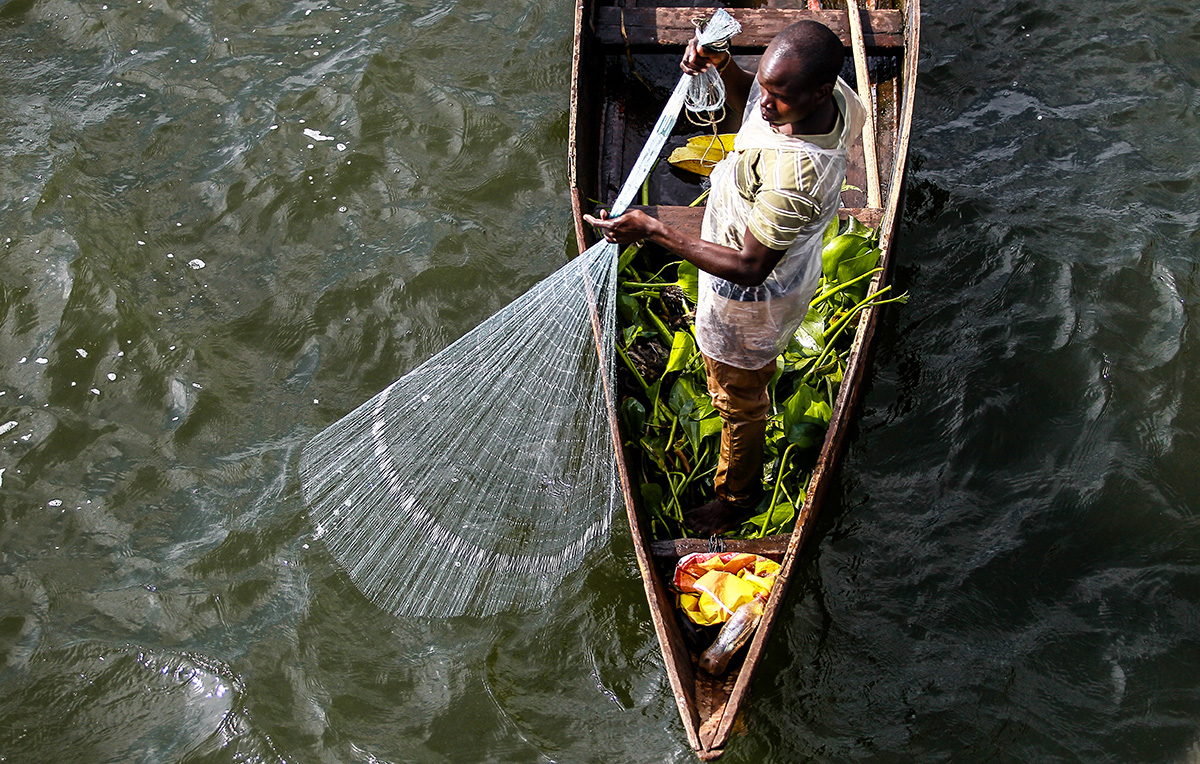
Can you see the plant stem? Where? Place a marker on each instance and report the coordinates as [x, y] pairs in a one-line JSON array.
[[826, 295], [775, 496], [678, 516], [832, 335], [662, 328], [629, 365]]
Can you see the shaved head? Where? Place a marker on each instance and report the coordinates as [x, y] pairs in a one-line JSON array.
[[811, 50], [797, 77]]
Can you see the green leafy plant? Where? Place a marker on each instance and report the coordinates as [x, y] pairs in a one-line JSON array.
[[668, 423]]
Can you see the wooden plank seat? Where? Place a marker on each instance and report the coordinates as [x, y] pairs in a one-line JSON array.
[[771, 546], [688, 219], [642, 27]]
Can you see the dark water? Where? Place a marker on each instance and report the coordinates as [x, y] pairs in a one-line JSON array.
[[1009, 572]]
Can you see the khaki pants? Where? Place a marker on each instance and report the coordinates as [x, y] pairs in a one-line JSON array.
[[740, 395]]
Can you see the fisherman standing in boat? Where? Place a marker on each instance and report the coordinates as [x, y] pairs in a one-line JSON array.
[[760, 248]]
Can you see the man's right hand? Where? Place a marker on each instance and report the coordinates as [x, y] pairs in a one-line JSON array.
[[633, 225], [697, 58]]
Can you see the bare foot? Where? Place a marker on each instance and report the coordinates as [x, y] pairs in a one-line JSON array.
[[717, 516]]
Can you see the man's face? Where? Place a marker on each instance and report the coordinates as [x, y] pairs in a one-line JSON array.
[[786, 97]]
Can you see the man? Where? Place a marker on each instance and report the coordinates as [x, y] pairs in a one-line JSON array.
[[760, 248]]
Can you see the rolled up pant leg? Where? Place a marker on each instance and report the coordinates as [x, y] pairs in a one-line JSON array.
[[740, 395]]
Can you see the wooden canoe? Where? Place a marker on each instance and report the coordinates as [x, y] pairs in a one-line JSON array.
[[621, 46]]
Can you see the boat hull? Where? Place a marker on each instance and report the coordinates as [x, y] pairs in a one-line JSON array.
[[622, 54]]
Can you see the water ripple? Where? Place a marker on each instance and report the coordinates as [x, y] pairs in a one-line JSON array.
[[124, 704]]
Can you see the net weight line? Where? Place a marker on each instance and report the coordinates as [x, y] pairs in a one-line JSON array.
[[475, 482]]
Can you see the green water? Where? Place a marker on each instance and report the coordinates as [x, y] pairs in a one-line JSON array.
[[224, 225]]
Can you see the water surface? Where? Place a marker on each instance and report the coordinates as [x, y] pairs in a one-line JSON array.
[[224, 225]]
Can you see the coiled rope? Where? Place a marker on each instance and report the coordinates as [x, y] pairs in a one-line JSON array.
[[705, 99]]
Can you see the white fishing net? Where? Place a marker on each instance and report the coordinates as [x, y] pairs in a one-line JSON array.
[[475, 482]]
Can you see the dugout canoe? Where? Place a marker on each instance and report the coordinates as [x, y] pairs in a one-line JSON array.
[[625, 52]]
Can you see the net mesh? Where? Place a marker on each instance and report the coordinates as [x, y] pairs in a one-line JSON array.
[[475, 482]]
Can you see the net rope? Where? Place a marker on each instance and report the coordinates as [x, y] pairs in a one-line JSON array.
[[477, 481]]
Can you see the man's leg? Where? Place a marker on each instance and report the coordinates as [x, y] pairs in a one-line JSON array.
[[740, 395]]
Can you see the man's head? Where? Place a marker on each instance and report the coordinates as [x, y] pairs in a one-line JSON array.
[[798, 71]]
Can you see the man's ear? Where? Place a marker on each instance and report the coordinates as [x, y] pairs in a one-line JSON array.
[[824, 91]]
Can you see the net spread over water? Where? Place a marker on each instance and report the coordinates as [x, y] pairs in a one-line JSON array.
[[475, 482]]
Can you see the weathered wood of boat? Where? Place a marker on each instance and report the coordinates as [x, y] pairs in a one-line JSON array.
[[619, 46]]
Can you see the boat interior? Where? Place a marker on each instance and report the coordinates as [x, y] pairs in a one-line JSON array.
[[626, 63], [631, 62]]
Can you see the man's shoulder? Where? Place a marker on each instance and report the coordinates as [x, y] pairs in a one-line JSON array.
[[771, 170]]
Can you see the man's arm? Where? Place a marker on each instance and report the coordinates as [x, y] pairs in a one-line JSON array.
[[749, 266]]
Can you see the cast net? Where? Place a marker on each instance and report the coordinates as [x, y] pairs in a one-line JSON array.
[[476, 482]]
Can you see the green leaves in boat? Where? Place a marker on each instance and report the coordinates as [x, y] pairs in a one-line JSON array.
[[671, 430]]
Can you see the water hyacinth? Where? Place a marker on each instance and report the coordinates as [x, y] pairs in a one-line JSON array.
[[671, 430]]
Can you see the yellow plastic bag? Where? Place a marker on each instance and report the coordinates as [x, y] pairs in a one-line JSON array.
[[701, 154], [712, 585]]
